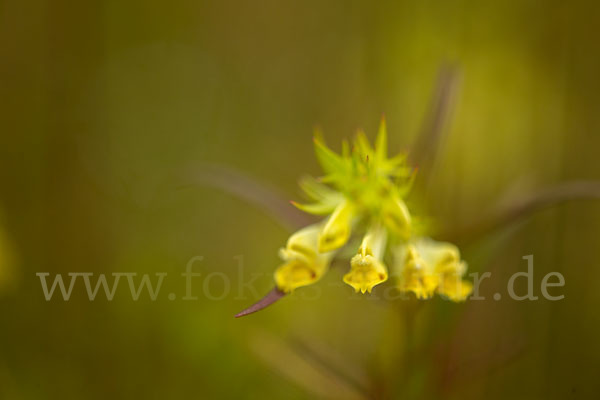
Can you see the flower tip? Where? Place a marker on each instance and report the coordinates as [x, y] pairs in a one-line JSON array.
[[318, 135], [382, 125]]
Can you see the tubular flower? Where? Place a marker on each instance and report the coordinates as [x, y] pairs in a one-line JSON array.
[[336, 231], [362, 187], [367, 269], [304, 264], [397, 217], [427, 267]]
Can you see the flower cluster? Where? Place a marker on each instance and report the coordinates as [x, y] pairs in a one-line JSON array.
[[363, 192]]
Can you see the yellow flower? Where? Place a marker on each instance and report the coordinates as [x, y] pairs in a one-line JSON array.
[[427, 267], [416, 275], [451, 283], [367, 269], [336, 231], [304, 264], [397, 217]]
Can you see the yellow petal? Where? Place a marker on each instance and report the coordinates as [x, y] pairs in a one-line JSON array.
[[447, 265], [397, 217], [296, 273], [423, 286], [303, 263], [416, 275], [373, 242], [302, 244], [455, 288], [442, 257], [336, 231], [365, 273]]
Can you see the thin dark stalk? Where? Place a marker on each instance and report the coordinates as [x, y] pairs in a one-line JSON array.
[[270, 298], [524, 207], [428, 143], [359, 383], [260, 194]]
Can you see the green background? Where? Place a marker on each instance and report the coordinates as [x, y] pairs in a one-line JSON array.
[[105, 104]]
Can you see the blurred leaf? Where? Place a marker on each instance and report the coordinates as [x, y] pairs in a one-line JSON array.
[[428, 143], [319, 352], [247, 188], [518, 209], [312, 376]]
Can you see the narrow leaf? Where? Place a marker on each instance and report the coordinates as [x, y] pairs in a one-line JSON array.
[[381, 141], [321, 208], [331, 162]]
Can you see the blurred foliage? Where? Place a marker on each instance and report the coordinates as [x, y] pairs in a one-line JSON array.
[[7, 264], [105, 103]]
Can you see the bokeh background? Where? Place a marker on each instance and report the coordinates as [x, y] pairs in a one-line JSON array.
[[105, 104]]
